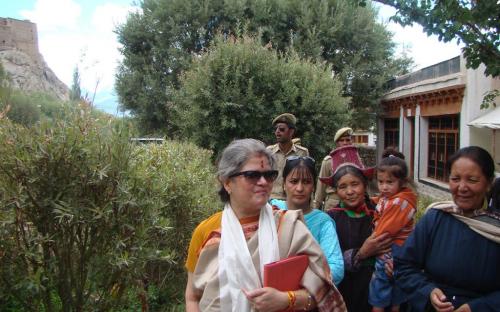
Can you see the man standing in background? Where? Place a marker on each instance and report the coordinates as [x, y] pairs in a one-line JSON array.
[[284, 130], [325, 195]]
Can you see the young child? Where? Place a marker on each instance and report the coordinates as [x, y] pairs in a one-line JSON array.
[[394, 214]]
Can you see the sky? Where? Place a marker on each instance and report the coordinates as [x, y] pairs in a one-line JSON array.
[[81, 33]]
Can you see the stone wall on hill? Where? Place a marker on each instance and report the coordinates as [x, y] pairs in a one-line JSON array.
[[22, 61]]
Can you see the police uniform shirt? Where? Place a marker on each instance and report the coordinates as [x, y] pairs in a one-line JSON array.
[[325, 192]]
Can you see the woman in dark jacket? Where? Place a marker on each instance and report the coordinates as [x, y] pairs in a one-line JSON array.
[[353, 217], [450, 261]]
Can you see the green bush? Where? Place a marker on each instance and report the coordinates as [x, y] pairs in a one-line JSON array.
[[89, 221], [423, 202], [238, 87], [23, 109]]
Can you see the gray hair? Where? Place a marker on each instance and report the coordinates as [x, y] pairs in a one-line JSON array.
[[235, 156]]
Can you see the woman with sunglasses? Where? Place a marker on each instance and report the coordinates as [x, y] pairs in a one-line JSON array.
[[228, 251], [299, 176]]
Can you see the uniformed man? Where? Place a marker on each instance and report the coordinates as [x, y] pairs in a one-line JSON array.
[[325, 195], [284, 130]]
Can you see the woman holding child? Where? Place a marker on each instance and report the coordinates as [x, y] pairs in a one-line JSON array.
[[228, 251], [354, 221], [451, 260]]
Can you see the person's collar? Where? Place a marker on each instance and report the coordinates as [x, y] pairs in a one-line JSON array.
[[304, 211], [482, 222], [451, 207], [359, 210], [292, 147]]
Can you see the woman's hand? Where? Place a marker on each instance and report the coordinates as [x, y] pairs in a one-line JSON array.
[[375, 245], [440, 302], [192, 296], [267, 299]]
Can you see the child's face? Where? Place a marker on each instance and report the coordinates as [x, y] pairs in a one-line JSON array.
[[388, 184]]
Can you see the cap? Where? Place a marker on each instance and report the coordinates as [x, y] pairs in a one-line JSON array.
[[341, 132], [343, 156], [287, 118]]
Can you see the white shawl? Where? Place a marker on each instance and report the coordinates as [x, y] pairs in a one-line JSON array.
[[236, 269]]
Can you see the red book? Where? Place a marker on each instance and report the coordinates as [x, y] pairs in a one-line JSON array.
[[285, 274]]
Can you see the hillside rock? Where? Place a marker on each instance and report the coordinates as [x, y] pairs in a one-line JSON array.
[[31, 75]]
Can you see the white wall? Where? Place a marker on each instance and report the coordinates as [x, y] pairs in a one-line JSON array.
[[406, 143], [372, 138], [477, 85], [401, 130], [418, 140], [423, 146]]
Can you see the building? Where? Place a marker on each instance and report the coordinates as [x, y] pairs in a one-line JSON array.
[[20, 35], [364, 137], [426, 115]]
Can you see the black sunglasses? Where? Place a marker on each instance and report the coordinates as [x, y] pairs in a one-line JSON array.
[[254, 176], [306, 159]]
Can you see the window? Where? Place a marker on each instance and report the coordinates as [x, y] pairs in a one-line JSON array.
[[360, 138], [443, 142], [391, 133]]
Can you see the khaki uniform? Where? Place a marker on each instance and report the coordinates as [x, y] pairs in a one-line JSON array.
[[296, 150], [325, 192]]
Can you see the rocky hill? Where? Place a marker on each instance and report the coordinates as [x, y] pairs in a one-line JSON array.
[[28, 74]]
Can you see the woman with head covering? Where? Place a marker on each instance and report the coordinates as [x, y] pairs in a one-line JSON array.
[[451, 260], [299, 176], [228, 251], [354, 223]]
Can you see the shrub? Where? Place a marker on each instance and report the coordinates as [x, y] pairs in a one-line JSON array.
[[23, 109], [236, 88], [87, 218], [423, 202]]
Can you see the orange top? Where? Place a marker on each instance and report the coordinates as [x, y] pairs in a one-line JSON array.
[[210, 229], [394, 215]]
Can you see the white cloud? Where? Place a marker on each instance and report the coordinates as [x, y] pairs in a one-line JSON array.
[[54, 14], [425, 50], [102, 56], [107, 16], [66, 41], [62, 52]]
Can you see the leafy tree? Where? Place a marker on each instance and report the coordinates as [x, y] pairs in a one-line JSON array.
[[159, 43], [237, 87], [475, 23]]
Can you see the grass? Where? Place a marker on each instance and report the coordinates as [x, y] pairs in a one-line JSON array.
[[423, 202]]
